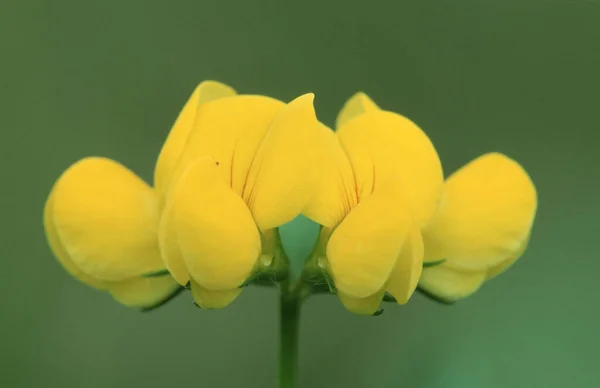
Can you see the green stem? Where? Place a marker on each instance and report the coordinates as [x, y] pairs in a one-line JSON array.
[[289, 321]]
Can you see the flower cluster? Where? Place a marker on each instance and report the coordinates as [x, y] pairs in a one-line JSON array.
[[236, 167]]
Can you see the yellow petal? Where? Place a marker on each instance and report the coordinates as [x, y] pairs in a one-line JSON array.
[[405, 275], [169, 155], [357, 105], [143, 292], [216, 234], [449, 284], [381, 144], [169, 248], [209, 299], [485, 216], [105, 218], [362, 251], [506, 264], [335, 194], [362, 306], [59, 250], [283, 175], [433, 245], [229, 130]]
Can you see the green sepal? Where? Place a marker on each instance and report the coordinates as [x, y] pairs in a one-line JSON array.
[[378, 313], [272, 247], [251, 279], [321, 283], [435, 298], [166, 300], [319, 287], [188, 286], [330, 283], [156, 274], [433, 263], [387, 297], [261, 279]]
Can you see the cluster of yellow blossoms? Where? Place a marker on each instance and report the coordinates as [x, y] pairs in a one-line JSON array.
[[236, 167]]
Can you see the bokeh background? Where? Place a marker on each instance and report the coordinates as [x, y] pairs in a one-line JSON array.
[[108, 78]]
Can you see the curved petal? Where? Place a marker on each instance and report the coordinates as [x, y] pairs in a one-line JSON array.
[[335, 194], [407, 271], [506, 264], [449, 284], [433, 243], [381, 144], [362, 306], [485, 216], [283, 175], [59, 250], [217, 237], [106, 219], [171, 151], [169, 248], [209, 299], [143, 292], [230, 131], [357, 105], [363, 250]]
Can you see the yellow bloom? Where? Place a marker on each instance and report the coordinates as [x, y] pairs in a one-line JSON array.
[[248, 165], [381, 185], [101, 220], [481, 228]]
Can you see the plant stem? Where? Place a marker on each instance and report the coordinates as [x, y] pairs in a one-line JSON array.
[[289, 323]]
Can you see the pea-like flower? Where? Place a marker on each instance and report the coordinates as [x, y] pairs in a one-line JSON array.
[[101, 220], [381, 186], [481, 227], [385, 211], [247, 167]]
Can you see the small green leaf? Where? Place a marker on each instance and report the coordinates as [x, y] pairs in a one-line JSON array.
[[433, 263], [156, 274], [378, 313], [434, 297]]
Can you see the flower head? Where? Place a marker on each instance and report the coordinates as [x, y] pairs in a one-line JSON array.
[[382, 184], [236, 167]]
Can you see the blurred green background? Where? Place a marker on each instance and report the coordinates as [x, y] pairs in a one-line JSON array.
[[108, 78]]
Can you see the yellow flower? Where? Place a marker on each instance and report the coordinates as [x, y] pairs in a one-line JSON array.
[[381, 185], [481, 228], [247, 166], [101, 220]]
